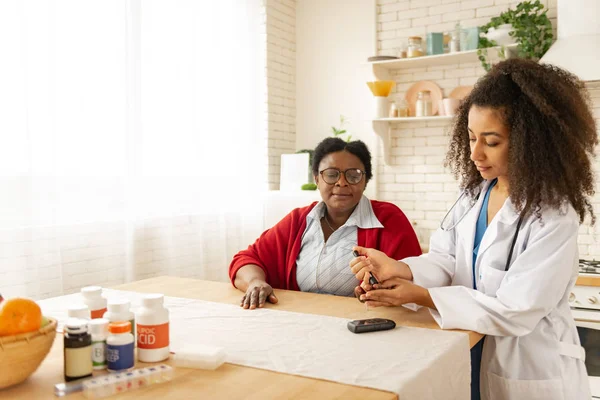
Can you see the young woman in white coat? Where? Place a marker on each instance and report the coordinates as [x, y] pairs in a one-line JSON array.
[[505, 257]]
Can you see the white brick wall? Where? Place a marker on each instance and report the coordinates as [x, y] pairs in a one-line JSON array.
[[416, 181], [280, 28], [589, 237], [46, 262]]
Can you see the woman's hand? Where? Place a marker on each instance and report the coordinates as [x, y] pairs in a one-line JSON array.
[[376, 263], [359, 291], [396, 292], [257, 293]]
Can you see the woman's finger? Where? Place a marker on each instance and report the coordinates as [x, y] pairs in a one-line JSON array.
[[366, 277], [246, 304], [358, 291], [384, 295], [362, 269], [390, 283], [254, 298], [243, 299], [355, 261], [358, 264], [273, 299], [361, 250], [367, 251], [262, 297], [366, 286]]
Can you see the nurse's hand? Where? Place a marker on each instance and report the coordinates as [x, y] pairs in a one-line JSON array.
[[363, 288], [396, 292], [377, 263]]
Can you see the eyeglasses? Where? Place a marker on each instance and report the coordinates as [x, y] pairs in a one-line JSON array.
[[332, 175]]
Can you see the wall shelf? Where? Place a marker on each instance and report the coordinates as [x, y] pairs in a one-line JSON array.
[[383, 128], [414, 119], [381, 68]]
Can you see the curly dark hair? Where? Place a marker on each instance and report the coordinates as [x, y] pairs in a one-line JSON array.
[[333, 145], [552, 136]]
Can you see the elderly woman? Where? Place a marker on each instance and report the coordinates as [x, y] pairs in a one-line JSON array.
[[310, 248]]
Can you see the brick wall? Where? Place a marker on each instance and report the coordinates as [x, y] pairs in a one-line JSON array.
[[280, 27], [589, 237], [418, 148], [50, 261]]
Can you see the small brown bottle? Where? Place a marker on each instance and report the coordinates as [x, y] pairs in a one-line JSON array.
[[77, 350]]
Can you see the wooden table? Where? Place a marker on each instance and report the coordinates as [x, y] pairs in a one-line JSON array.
[[233, 381]]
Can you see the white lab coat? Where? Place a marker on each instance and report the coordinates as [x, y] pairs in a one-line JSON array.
[[532, 350]]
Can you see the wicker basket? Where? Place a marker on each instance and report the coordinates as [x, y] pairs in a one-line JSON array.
[[21, 355]]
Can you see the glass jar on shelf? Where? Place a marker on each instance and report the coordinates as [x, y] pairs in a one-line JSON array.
[[401, 51], [455, 39], [415, 47], [447, 39], [424, 106], [393, 110], [403, 109]]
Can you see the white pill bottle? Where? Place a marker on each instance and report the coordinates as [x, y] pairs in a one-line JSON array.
[[92, 297], [152, 321], [119, 311]]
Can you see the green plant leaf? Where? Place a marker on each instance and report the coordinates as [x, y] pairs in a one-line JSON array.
[[532, 31], [309, 186]]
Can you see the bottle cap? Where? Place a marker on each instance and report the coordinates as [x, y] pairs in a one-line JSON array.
[[99, 326], [151, 300], [119, 327], [79, 311], [118, 305], [91, 291], [76, 326]]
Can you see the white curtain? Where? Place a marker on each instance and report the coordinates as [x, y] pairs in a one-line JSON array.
[[130, 140]]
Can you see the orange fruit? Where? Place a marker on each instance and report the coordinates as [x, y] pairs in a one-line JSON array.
[[19, 315]]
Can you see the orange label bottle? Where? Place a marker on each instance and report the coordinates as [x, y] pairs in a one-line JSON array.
[[152, 321]]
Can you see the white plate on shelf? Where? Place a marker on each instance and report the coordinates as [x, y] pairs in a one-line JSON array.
[[460, 92], [413, 92]]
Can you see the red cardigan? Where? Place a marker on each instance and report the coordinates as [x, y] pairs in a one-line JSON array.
[[277, 249]]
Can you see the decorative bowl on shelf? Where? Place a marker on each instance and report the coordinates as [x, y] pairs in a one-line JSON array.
[[501, 35], [381, 58], [460, 92], [381, 88], [450, 106]]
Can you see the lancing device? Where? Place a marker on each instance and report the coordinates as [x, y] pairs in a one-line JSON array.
[[372, 279]]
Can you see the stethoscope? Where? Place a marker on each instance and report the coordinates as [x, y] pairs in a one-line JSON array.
[[515, 236]]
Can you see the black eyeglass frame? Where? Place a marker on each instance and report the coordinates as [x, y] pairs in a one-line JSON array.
[[340, 172]]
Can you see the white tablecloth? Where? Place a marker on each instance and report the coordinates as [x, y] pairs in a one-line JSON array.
[[415, 363]]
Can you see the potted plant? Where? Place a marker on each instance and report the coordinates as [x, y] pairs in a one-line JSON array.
[[528, 24], [338, 132]]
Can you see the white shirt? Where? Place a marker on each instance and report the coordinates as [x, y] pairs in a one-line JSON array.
[[322, 267]]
